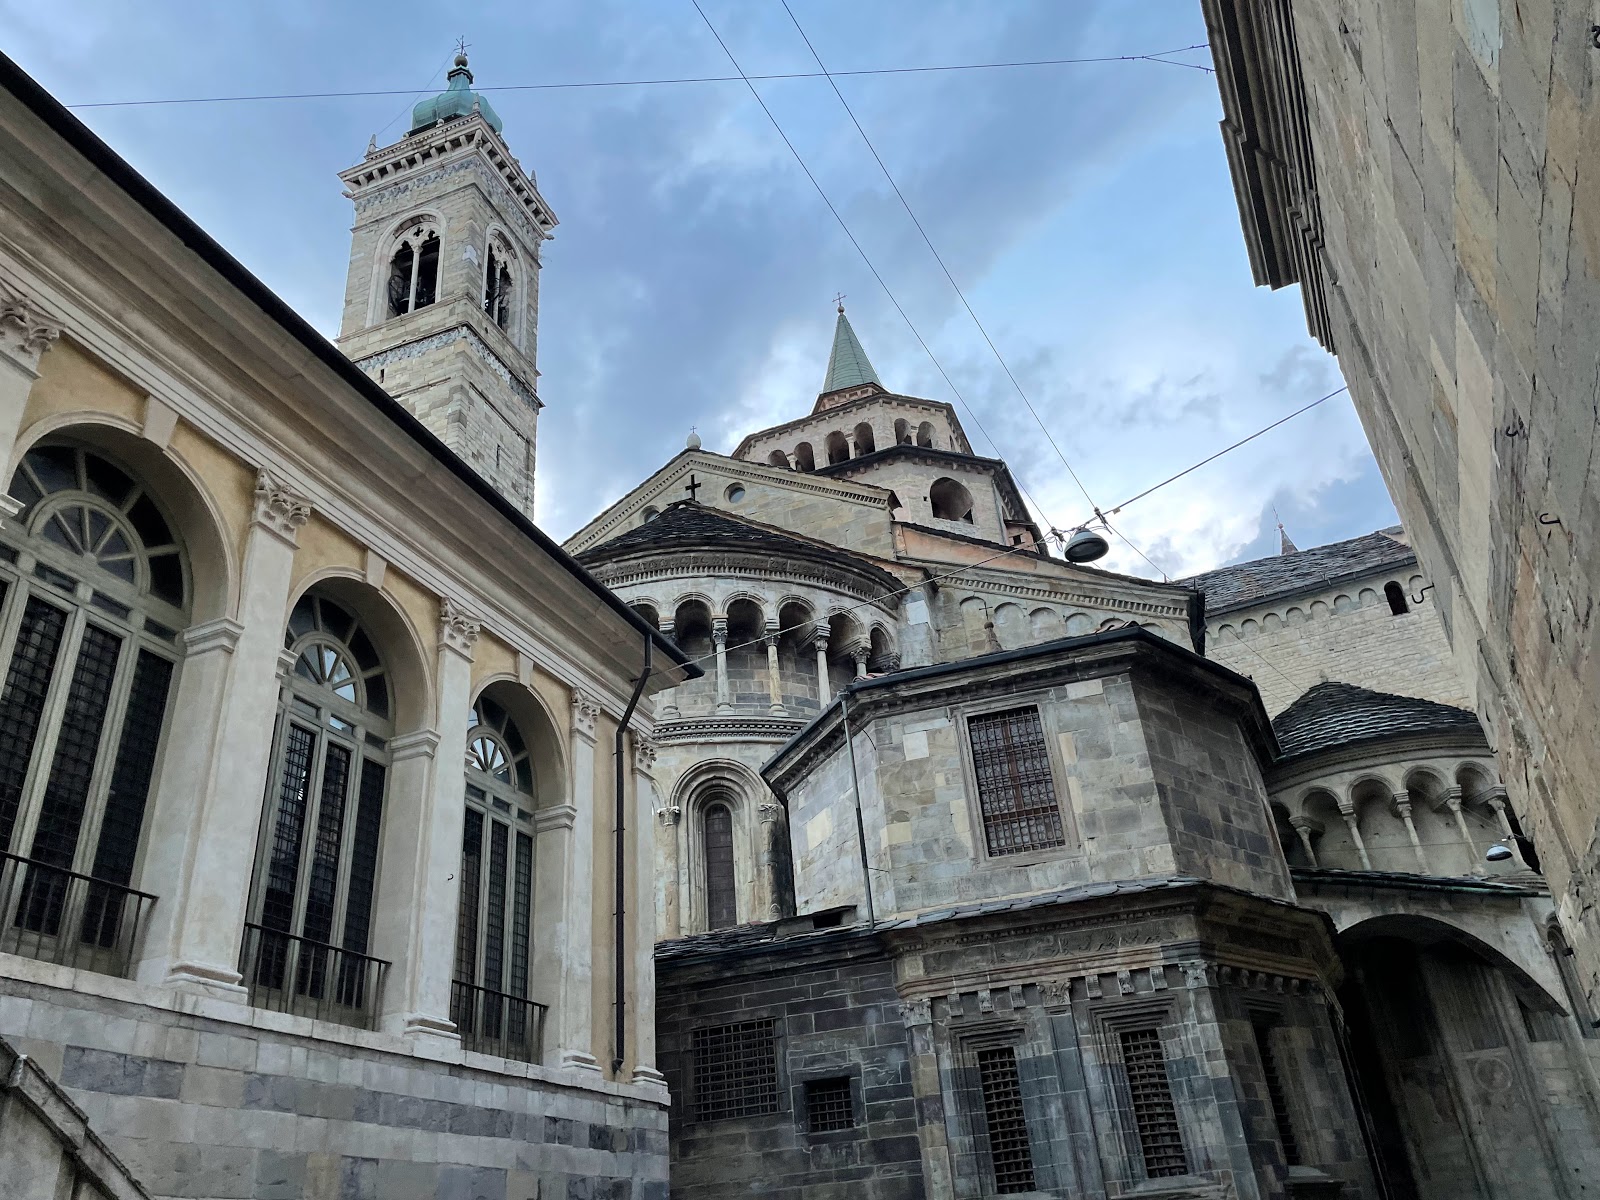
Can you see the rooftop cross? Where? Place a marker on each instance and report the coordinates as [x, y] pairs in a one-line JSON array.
[[839, 300], [693, 486], [462, 46]]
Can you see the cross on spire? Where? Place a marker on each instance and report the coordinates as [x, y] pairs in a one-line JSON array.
[[462, 45], [839, 301]]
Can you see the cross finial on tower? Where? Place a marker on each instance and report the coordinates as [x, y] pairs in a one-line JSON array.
[[462, 46], [839, 301], [1285, 546]]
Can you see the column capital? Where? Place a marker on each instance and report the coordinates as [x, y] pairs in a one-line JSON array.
[[1452, 799], [585, 715], [719, 632], [25, 332], [457, 631], [208, 636], [279, 509], [670, 815], [820, 640], [1401, 802], [861, 651], [769, 812], [1347, 810], [770, 634], [918, 1011], [644, 753], [1496, 798], [424, 743], [1301, 823], [557, 816]]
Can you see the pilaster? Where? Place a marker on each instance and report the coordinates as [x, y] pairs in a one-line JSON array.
[[572, 926]]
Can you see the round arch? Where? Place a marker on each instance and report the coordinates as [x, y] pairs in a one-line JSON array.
[[212, 563], [708, 784], [398, 641], [1427, 930], [382, 261], [541, 731]]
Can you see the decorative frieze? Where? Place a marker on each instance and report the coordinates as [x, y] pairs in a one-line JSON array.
[[474, 343], [457, 631], [278, 508]]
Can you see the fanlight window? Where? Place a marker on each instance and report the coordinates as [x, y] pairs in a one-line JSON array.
[[494, 922], [92, 599], [414, 272], [306, 945]]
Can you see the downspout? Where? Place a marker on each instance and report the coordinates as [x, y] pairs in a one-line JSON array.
[[855, 787], [619, 1033]]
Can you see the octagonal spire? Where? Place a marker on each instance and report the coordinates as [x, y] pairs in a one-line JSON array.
[[848, 365]]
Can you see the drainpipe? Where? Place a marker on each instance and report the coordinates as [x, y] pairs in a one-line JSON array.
[[855, 787], [620, 1034]]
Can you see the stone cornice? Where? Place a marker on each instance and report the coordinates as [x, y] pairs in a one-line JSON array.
[[989, 581], [729, 729]]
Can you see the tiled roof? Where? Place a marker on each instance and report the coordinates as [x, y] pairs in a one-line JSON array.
[[1244, 584], [1338, 714], [686, 525], [848, 365]]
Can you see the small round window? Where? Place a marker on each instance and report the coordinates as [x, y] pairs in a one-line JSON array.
[[735, 493]]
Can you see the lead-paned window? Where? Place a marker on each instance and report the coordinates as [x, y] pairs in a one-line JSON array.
[[317, 863], [735, 1070], [1010, 1152], [93, 592], [1016, 790], [494, 921], [1155, 1116], [722, 900]]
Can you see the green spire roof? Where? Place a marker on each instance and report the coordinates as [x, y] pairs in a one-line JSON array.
[[848, 365], [457, 100]]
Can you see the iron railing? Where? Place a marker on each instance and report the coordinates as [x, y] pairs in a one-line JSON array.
[[60, 916], [497, 1023], [313, 979]]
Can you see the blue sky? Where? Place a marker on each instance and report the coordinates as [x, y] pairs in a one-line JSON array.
[[1085, 210]]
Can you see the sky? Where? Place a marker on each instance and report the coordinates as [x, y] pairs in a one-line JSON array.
[[1085, 210]]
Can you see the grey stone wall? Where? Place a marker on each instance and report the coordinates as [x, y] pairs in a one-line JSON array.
[[837, 1012], [1456, 271], [203, 1108]]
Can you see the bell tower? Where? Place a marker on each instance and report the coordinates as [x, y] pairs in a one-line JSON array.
[[442, 300]]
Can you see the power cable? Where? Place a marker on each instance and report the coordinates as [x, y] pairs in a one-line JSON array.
[[613, 83], [937, 257], [904, 316], [414, 97]]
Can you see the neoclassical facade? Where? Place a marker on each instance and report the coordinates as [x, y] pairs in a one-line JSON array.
[[325, 855]]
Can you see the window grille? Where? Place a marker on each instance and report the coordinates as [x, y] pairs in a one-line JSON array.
[[1155, 1117], [1276, 1094], [736, 1070], [1016, 792], [33, 662], [1009, 1151], [722, 907], [828, 1105]]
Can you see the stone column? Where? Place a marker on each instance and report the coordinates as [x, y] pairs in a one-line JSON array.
[[1452, 799], [719, 635], [1402, 807], [419, 887], [25, 334], [823, 694], [214, 779], [668, 898], [572, 931], [774, 683], [770, 815], [1496, 800], [861, 653], [927, 1086], [553, 832], [669, 696], [1347, 810], [642, 951], [1305, 827]]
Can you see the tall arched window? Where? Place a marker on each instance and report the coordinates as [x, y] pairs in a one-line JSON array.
[[865, 441], [1396, 596], [497, 285], [804, 458], [838, 447], [902, 432], [93, 594], [414, 271], [317, 860], [722, 904], [494, 923], [925, 435]]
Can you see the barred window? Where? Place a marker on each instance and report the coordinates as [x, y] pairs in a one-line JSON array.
[[722, 904], [1009, 1152], [1016, 792], [1155, 1117], [828, 1105], [1275, 1092], [735, 1070]]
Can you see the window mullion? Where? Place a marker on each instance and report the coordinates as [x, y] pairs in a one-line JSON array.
[[44, 743], [347, 843], [105, 755], [308, 832]]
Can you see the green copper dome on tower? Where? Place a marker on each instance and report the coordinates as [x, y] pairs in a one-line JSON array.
[[848, 365], [457, 100]]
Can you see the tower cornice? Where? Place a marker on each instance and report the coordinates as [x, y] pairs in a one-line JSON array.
[[449, 142]]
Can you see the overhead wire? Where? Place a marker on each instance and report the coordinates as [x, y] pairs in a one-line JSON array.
[[1159, 57], [882, 283], [934, 250]]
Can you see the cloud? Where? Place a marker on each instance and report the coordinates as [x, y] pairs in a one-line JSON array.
[[1085, 211]]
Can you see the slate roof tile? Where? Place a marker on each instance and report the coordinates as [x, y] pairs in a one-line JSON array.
[[1339, 714], [1245, 584]]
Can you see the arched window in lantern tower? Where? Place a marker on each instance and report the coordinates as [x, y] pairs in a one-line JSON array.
[[498, 284], [414, 271]]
